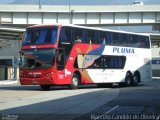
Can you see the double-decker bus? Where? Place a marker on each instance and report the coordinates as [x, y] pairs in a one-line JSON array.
[[72, 55]]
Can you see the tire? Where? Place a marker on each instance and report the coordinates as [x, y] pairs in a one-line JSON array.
[[75, 82], [135, 79], [128, 79], [45, 87]]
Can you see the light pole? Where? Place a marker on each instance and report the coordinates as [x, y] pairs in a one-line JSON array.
[[69, 3], [70, 12], [71, 15], [39, 4]]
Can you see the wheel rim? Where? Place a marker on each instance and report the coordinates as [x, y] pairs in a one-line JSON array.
[[135, 78], [75, 81], [128, 80]]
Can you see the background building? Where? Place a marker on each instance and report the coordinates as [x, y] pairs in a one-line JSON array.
[[14, 18]]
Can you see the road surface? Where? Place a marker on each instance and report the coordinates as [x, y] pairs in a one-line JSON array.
[[89, 102]]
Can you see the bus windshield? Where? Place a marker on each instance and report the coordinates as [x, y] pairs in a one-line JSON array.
[[35, 36], [37, 58]]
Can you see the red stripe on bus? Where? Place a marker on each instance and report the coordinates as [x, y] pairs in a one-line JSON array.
[[39, 46]]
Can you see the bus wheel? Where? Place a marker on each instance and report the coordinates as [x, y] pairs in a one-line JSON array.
[[45, 87], [135, 79], [75, 82], [128, 79]]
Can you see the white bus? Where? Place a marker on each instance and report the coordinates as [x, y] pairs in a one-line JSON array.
[[123, 57]]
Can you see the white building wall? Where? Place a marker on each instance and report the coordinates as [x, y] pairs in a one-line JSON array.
[[34, 18], [92, 18], [156, 52], [149, 17], [121, 18], [135, 17], [49, 18], [63, 18], [6, 17], [107, 18], [78, 18], [19, 18], [156, 62]]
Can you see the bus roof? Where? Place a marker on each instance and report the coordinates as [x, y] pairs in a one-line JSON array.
[[86, 27]]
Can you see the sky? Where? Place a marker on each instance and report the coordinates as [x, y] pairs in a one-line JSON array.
[[92, 2], [79, 2]]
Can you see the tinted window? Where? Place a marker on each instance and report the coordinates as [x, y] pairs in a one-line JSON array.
[[80, 35], [101, 62], [114, 62], [114, 38], [104, 36], [124, 39], [40, 36], [97, 63], [92, 36], [37, 58], [146, 41], [127, 40], [66, 35], [75, 35]]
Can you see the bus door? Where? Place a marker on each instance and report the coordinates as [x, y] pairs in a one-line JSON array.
[[60, 59]]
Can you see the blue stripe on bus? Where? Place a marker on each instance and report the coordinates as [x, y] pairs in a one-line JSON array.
[[155, 61]]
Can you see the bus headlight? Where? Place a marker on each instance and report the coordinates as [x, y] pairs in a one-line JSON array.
[[49, 74]]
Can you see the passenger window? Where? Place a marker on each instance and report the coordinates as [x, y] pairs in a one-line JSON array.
[[119, 39], [80, 35], [128, 41], [92, 36], [146, 42], [114, 62], [97, 63], [103, 36], [135, 39], [108, 40], [124, 39], [66, 35], [114, 38]]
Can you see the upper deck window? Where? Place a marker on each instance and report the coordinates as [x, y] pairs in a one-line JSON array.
[[35, 36]]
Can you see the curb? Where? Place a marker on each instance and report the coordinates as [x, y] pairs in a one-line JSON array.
[[9, 82], [155, 78]]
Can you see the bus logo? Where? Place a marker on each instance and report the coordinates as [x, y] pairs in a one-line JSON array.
[[123, 50]]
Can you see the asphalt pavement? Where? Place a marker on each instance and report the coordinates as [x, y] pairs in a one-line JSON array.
[[141, 102]]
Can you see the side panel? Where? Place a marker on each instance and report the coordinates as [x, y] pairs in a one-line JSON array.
[[106, 75], [137, 59], [97, 75]]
